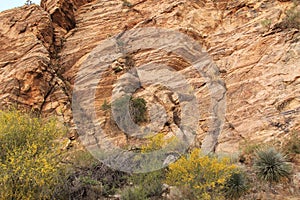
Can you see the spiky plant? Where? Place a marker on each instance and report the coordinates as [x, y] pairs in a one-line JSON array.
[[236, 185], [271, 165]]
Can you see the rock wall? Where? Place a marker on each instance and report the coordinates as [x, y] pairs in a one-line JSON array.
[[43, 48], [26, 40]]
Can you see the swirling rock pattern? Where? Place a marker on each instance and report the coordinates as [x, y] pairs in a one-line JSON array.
[[42, 49]]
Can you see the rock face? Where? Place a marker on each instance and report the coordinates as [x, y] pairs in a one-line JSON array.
[[26, 42], [44, 47]]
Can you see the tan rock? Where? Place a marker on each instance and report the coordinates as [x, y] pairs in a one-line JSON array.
[[26, 40], [43, 51]]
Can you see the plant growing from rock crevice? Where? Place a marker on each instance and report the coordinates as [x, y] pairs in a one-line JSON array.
[[138, 109]]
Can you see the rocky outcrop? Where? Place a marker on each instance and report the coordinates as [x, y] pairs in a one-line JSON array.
[[62, 13], [43, 49], [26, 40]]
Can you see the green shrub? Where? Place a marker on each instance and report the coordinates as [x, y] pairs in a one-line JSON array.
[[236, 185], [144, 186], [133, 193], [150, 183], [271, 166], [90, 179], [29, 155], [138, 110]]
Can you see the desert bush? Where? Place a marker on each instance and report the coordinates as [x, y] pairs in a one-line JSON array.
[[236, 185], [247, 151], [271, 165], [151, 182], [266, 23], [205, 176], [292, 19], [138, 109], [29, 155], [157, 142], [127, 4], [136, 193], [292, 146], [145, 185], [90, 179], [28, 2]]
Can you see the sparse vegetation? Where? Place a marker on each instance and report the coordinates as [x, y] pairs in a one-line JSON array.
[[292, 146], [32, 164], [266, 23], [127, 4], [28, 2], [135, 107], [88, 178], [105, 106], [292, 19]]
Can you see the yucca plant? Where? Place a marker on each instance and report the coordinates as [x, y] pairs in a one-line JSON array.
[[236, 185], [271, 165]]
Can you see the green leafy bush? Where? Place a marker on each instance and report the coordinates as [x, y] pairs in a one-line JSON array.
[[271, 166], [29, 155]]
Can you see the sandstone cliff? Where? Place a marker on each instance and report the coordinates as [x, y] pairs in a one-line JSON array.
[[42, 48]]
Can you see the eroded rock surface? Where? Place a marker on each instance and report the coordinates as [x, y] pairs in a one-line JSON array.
[[43, 49], [26, 41]]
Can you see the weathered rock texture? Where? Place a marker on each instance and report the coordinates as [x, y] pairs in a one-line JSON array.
[[43, 47], [26, 41]]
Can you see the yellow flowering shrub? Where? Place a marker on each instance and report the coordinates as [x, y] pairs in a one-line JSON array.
[[157, 142], [29, 156], [203, 176]]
